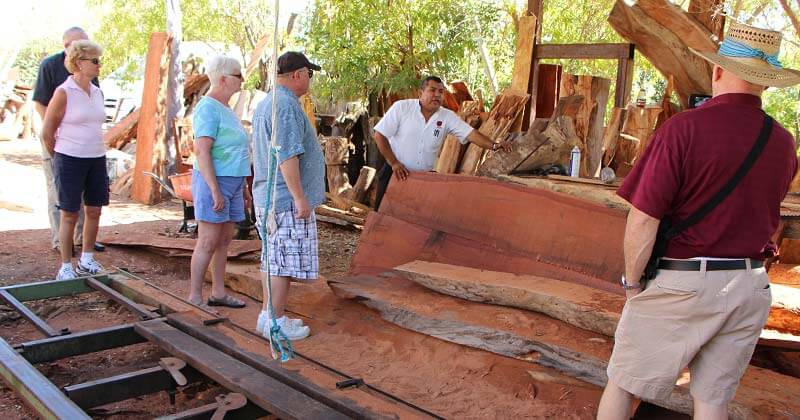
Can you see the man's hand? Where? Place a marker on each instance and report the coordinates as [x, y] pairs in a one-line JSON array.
[[400, 171], [219, 200], [629, 293], [506, 145], [302, 208]]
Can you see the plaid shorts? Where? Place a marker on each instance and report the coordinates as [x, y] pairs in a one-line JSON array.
[[293, 245]]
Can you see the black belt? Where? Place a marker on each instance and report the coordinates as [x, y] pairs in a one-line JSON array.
[[711, 265]]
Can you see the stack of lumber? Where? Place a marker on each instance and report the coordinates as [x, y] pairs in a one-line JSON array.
[[507, 107], [452, 150]]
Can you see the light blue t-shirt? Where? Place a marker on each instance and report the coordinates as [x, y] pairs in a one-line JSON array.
[[230, 152], [296, 137]]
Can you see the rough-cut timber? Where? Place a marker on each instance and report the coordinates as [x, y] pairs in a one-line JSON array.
[[505, 110], [363, 183], [152, 151], [691, 32], [663, 47], [561, 139], [710, 14], [525, 335], [443, 218], [640, 124], [449, 156], [122, 132], [590, 117], [336, 150], [523, 58], [500, 162], [338, 181], [611, 135], [581, 306]]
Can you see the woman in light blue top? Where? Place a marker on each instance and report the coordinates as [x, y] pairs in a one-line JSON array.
[[219, 186]]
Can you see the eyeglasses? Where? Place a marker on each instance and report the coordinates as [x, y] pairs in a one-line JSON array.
[[310, 72], [95, 61]]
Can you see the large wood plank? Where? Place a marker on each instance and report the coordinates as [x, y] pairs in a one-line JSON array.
[[584, 51], [528, 336], [523, 57], [273, 396], [152, 151], [581, 306]]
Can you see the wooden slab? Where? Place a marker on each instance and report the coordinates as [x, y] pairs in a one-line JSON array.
[[151, 134], [571, 234], [525, 335], [244, 278], [252, 350], [271, 395], [581, 306], [235, 249]]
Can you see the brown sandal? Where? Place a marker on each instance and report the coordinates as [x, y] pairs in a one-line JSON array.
[[228, 301]]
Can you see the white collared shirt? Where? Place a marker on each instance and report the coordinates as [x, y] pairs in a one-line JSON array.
[[415, 142]]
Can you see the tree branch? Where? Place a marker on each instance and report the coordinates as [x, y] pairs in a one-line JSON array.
[[792, 15]]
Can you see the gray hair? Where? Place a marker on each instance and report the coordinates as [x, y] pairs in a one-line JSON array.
[[221, 65], [72, 30]]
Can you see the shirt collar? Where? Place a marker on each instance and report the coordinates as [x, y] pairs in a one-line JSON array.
[[745, 99]]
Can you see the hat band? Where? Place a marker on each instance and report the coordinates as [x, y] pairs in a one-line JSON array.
[[732, 48]]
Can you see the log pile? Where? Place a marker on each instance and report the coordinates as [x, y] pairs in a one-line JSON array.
[[504, 112]]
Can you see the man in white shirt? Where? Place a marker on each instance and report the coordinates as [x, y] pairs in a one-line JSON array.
[[411, 133]]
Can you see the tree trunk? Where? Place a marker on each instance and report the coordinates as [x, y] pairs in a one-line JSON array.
[[363, 183], [590, 117]]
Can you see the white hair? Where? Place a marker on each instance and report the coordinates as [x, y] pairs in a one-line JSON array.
[[222, 65]]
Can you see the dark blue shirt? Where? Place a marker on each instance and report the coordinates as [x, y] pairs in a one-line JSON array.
[[52, 73]]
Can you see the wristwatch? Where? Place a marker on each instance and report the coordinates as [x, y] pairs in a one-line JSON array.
[[495, 146], [628, 286]]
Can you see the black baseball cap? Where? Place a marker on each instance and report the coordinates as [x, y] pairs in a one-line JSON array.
[[293, 60]]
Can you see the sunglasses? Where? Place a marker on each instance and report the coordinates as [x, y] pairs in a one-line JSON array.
[[95, 61]]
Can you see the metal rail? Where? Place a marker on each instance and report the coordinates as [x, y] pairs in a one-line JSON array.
[[37, 322]]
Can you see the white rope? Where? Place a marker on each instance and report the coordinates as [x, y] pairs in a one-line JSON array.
[[274, 145]]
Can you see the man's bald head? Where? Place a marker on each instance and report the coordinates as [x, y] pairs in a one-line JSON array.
[[73, 34]]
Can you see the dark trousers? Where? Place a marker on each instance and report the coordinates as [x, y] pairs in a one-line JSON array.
[[384, 176]]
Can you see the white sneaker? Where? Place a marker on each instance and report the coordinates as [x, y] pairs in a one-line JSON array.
[[66, 273], [291, 330], [89, 267], [263, 319]]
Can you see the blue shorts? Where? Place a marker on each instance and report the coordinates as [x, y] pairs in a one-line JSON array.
[[80, 177], [232, 188]]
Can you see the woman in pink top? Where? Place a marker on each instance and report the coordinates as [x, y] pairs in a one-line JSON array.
[[73, 135]]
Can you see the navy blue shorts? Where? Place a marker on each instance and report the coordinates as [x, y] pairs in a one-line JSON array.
[[77, 178]]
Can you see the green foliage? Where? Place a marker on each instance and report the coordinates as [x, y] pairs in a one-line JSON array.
[[369, 46], [31, 55], [126, 27]]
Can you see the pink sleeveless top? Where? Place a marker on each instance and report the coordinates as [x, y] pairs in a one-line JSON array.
[[81, 131]]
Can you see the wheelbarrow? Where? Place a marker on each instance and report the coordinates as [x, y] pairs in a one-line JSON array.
[[182, 190]]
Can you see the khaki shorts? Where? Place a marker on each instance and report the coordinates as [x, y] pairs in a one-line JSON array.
[[709, 321]]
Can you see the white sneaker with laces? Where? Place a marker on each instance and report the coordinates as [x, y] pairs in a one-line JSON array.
[[264, 319], [89, 267], [292, 331], [66, 273]]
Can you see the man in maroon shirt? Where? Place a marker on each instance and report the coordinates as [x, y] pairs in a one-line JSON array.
[[710, 298]]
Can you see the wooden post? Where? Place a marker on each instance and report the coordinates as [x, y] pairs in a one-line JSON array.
[[363, 183], [151, 135], [535, 8], [521, 78]]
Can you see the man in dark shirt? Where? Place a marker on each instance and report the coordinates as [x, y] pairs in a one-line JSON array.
[[52, 73], [710, 298]]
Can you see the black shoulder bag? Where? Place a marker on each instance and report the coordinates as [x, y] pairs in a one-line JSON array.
[[667, 231]]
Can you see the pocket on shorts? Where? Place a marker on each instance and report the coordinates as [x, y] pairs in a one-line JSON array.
[[676, 285], [294, 255]]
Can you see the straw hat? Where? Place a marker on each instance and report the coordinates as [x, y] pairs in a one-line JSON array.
[[752, 54]]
